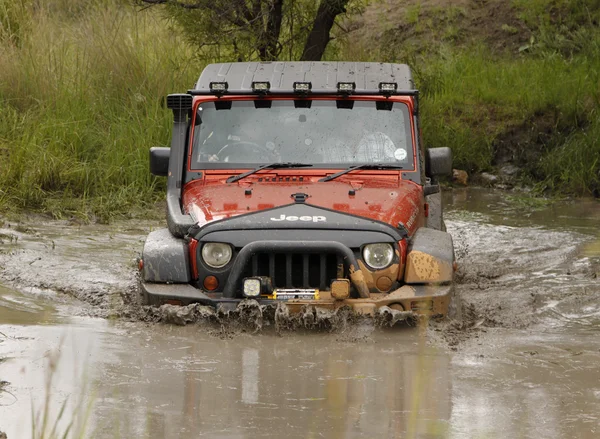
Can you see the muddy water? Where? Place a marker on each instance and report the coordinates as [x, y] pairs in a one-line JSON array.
[[523, 361]]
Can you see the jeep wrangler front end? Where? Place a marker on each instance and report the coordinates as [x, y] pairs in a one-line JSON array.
[[304, 183]]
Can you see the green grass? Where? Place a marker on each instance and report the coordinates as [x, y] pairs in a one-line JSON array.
[[81, 103], [82, 85], [543, 100], [71, 420], [548, 104]]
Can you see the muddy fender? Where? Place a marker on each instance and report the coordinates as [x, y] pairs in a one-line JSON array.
[[435, 219], [430, 257], [165, 258]]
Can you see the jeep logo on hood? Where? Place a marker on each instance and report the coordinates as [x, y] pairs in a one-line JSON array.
[[314, 219]]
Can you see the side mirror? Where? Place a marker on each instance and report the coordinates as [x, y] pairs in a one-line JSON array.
[[438, 161], [159, 161]]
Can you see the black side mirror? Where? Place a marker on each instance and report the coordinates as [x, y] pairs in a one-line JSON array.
[[438, 161], [159, 161]]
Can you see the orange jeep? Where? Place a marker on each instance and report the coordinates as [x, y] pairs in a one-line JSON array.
[[301, 182]]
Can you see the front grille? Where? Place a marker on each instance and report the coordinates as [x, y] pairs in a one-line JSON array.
[[297, 270]]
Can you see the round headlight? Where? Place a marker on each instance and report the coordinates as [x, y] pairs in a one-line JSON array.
[[378, 256], [216, 254]]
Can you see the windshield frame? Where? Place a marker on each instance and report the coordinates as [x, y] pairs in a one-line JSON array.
[[231, 166]]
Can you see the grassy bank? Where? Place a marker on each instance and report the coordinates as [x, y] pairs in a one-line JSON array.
[[503, 82], [81, 87], [82, 83]]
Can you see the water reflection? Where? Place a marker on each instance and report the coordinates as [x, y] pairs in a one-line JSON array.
[[522, 210], [267, 386], [19, 308], [517, 378]]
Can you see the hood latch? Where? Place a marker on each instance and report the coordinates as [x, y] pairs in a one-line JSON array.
[[300, 197]]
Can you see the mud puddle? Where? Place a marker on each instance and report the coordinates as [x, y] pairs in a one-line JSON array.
[[521, 363]]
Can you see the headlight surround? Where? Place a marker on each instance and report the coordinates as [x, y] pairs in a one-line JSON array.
[[216, 254], [378, 256]]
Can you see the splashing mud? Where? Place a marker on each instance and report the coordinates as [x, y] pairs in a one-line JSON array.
[[521, 267], [251, 317], [524, 342], [518, 266]]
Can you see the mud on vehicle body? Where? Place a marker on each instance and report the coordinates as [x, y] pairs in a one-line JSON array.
[[301, 182]]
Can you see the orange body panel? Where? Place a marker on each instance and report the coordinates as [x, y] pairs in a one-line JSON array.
[[380, 195], [389, 200]]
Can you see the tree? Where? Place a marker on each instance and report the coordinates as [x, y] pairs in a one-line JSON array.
[[258, 29]]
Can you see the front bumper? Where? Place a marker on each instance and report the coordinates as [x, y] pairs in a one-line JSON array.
[[422, 299]]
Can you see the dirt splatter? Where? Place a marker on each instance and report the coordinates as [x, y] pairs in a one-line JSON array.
[[251, 317], [516, 278], [387, 316], [509, 277], [179, 315]]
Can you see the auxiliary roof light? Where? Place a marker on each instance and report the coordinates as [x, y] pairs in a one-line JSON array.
[[302, 87], [346, 87], [261, 86], [387, 87], [218, 87]]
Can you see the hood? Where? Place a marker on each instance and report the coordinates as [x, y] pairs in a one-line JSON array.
[[387, 201]]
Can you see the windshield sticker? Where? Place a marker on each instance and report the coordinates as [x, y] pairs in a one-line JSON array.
[[400, 154]]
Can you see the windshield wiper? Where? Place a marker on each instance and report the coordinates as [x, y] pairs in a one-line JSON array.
[[365, 166], [235, 178]]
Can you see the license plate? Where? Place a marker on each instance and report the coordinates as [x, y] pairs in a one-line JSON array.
[[296, 293]]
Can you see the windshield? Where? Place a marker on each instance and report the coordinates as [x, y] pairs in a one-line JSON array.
[[321, 134]]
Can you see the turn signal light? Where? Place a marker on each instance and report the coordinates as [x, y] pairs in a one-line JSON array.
[[210, 283]]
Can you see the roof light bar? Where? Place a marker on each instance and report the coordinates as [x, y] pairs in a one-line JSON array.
[[346, 87], [261, 86], [388, 87], [218, 87], [302, 87]]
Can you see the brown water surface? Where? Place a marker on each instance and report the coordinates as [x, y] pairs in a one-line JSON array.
[[522, 363]]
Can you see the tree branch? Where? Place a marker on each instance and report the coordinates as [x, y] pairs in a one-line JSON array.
[[319, 35]]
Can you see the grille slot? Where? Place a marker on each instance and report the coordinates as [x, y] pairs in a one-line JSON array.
[[296, 270]]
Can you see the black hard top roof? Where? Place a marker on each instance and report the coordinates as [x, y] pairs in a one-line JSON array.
[[324, 76]]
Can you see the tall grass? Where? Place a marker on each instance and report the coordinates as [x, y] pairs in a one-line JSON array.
[[71, 419], [544, 99], [82, 84], [81, 103], [471, 98]]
